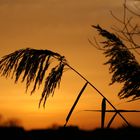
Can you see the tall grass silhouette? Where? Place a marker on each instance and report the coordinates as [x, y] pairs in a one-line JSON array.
[[123, 65], [117, 46], [104, 112], [34, 66]]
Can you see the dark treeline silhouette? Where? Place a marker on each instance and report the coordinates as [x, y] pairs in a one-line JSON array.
[[68, 133]]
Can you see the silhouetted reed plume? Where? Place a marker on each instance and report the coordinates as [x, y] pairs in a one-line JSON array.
[[123, 65], [32, 65]]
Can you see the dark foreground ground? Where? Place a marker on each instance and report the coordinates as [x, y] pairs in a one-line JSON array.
[[70, 133]]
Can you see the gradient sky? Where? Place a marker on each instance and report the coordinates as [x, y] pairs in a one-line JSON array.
[[62, 26]]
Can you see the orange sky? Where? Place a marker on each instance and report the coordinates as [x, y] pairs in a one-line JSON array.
[[62, 26]]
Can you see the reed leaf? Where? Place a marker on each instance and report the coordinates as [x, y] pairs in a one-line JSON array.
[[31, 65], [76, 101], [111, 120], [103, 112], [112, 111]]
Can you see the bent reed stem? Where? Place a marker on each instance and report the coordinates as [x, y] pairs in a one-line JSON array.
[[98, 92]]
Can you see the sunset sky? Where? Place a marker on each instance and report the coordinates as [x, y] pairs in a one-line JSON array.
[[63, 26]]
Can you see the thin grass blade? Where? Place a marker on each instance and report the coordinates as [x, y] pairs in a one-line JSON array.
[[119, 110], [103, 112], [111, 120], [76, 101]]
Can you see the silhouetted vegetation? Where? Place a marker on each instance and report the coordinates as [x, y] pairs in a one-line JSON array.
[[35, 66], [68, 133], [117, 47], [32, 65], [123, 64], [9, 122]]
